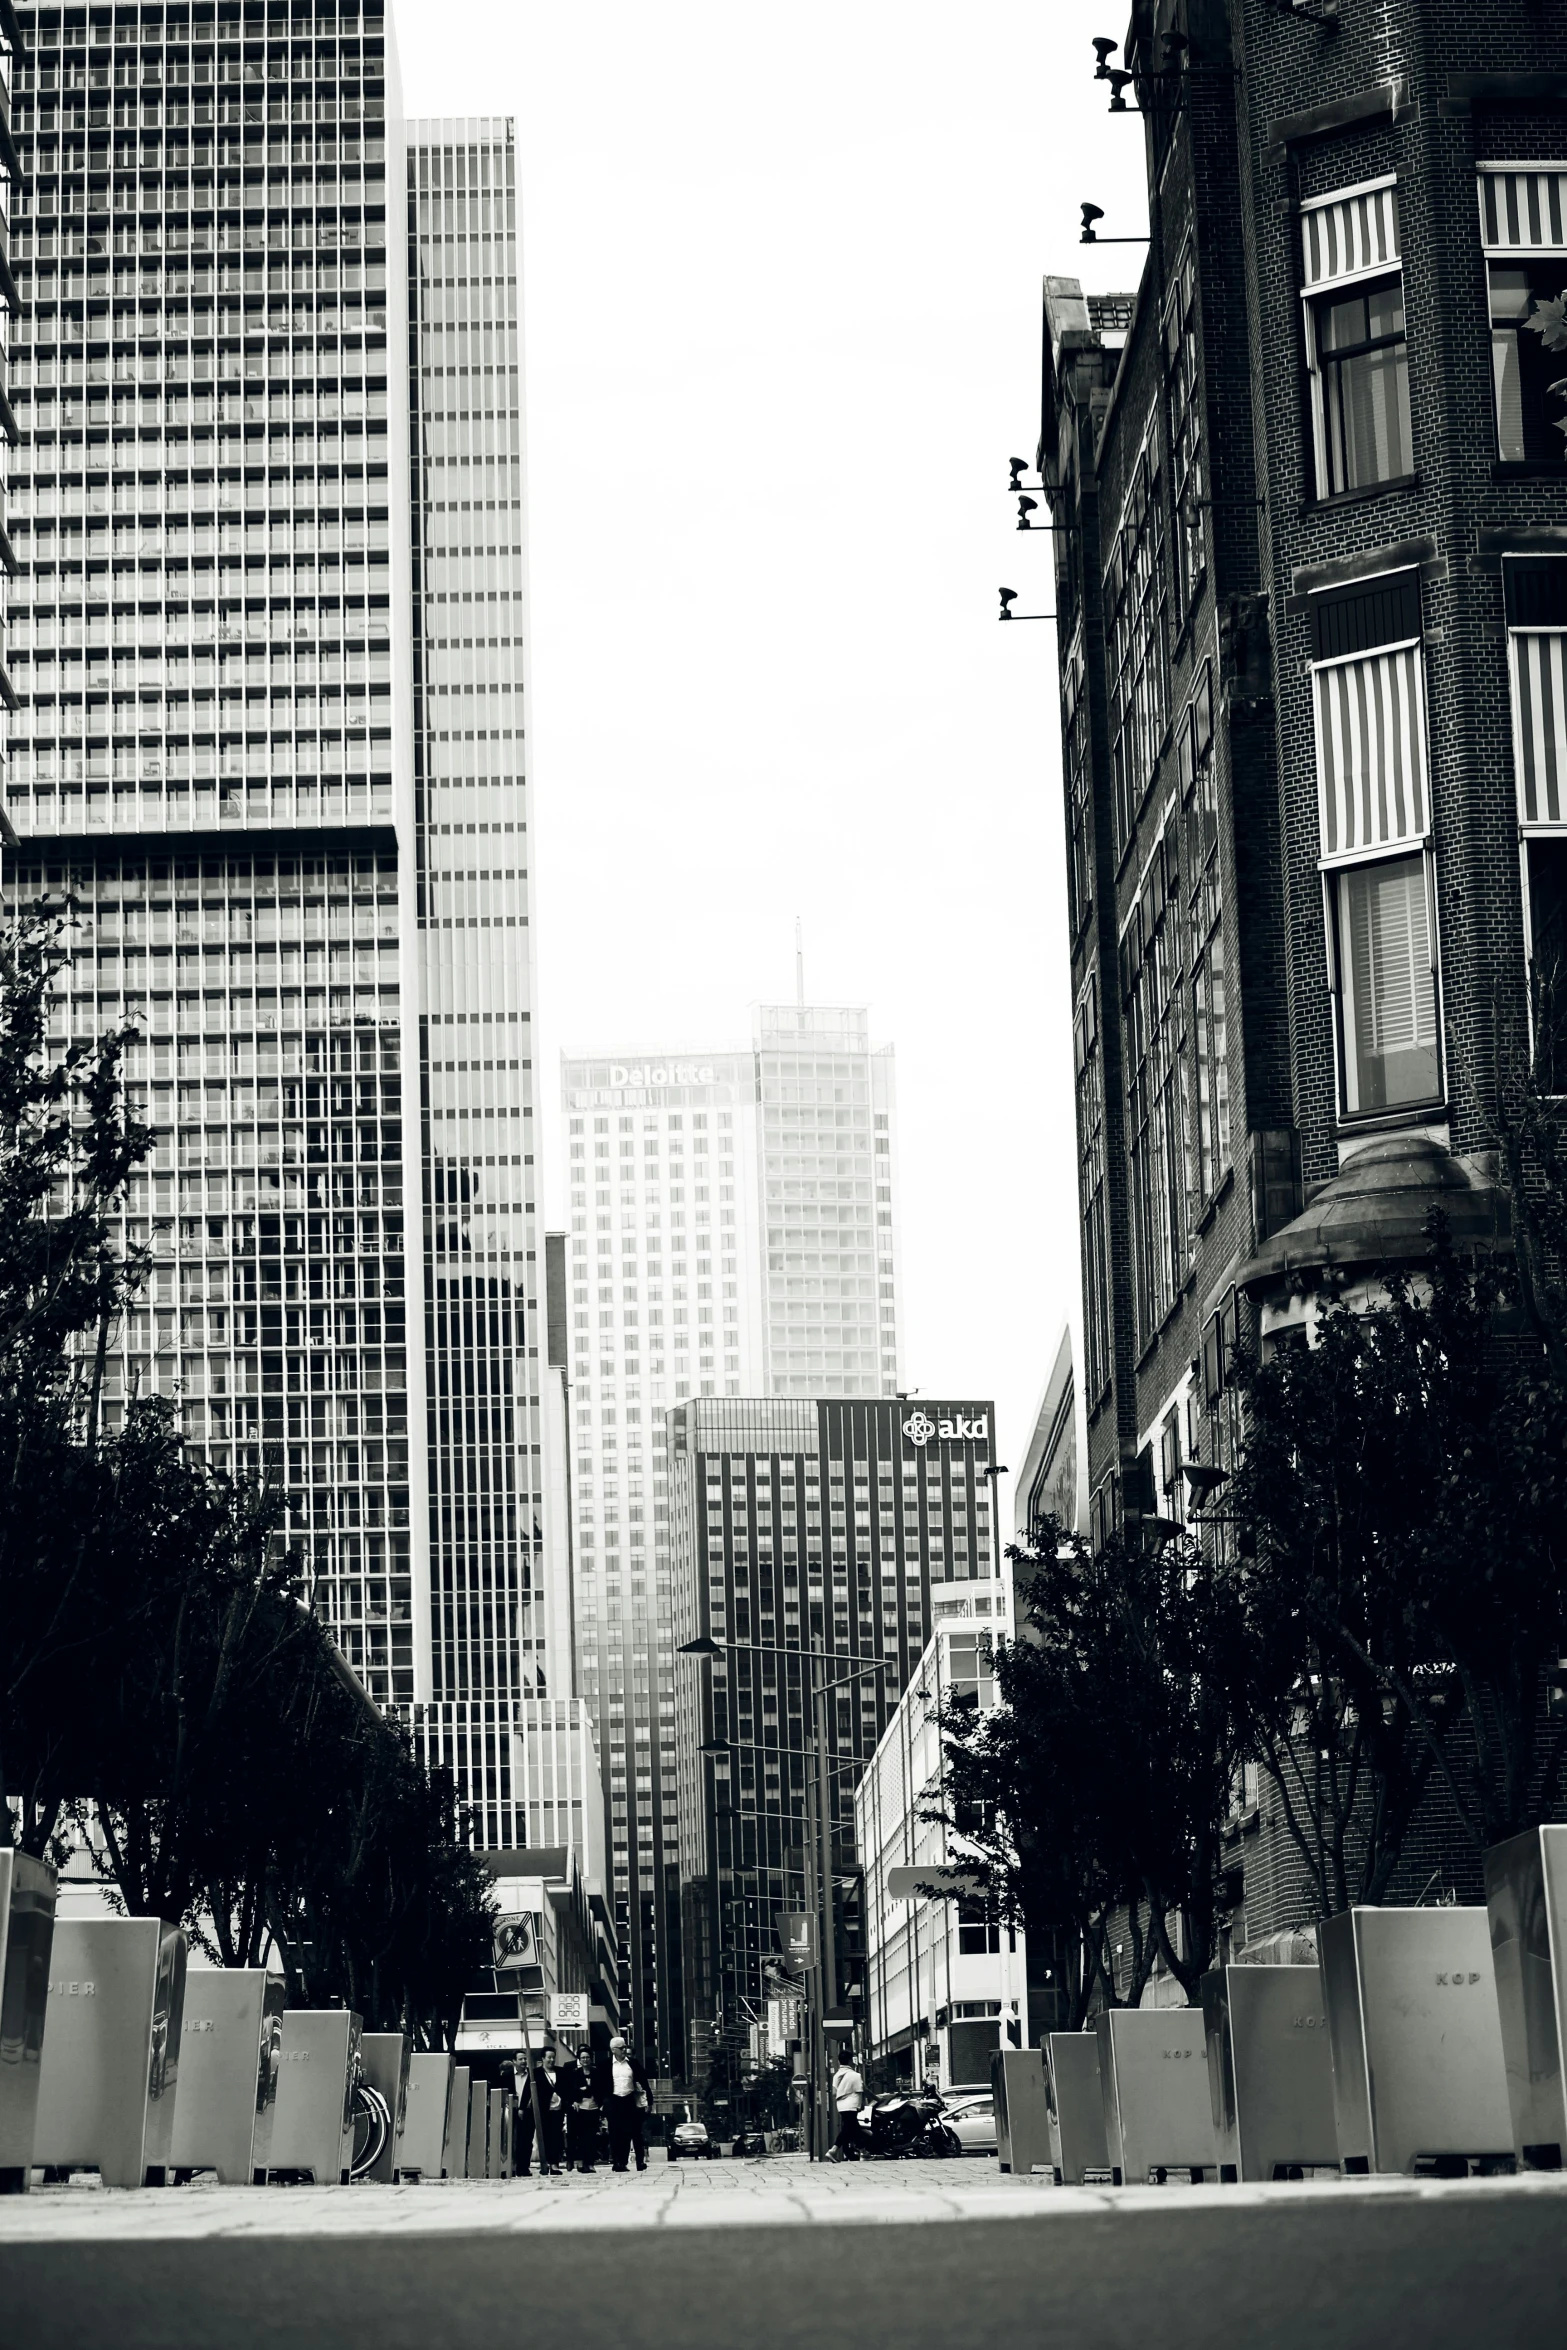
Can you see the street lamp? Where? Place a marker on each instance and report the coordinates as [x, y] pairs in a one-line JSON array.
[[707, 1650]]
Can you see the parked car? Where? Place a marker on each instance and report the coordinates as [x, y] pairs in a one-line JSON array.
[[691, 2138], [751, 2142], [971, 2113]]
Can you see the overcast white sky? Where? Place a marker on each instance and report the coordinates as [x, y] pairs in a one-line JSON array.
[[781, 289]]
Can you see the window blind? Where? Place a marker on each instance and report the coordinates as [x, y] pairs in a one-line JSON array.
[[1390, 958], [1539, 680], [1523, 209], [1371, 751], [1352, 234]]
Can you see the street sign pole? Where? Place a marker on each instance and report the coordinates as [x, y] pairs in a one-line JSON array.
[[533, 2084], [818, 2037]]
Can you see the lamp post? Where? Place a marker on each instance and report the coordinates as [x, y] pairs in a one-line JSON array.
[[708, 1651]]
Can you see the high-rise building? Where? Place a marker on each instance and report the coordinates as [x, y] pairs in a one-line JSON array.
[[732, 1233], [12, 48], [485, 1355], [269, 650], [825, 1114], [816, 1545]]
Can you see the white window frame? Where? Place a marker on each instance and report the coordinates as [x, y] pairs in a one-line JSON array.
[[1535, 827], [1412, 840], [1315, 288], [1393, 853]]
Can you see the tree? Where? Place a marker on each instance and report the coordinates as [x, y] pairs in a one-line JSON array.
[[1401, 1597], [180, 1721], [67, 1145], [161, 1678], [1100, 1781]]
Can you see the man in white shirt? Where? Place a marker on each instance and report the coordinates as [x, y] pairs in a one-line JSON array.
[[626, 2095], [848, 2095]]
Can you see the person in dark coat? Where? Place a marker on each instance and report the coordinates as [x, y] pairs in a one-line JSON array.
[[515, 2077], [582, 2115], [625, 2096], [552, 2112]]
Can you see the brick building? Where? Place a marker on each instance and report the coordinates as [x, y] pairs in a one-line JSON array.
[[1310, 497], [1313, 596]]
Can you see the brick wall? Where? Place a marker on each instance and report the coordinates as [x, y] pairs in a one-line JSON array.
[[1274, 111]]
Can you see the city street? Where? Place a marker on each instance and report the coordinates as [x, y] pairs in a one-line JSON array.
[[711, 2255]]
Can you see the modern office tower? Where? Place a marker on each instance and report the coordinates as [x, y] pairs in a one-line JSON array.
[[557, 1577], [812, 1543], [825, 1111], [732, 1233], [484, 1359], [666, 1294], [269, 653], [560, 1787], [11, 192]]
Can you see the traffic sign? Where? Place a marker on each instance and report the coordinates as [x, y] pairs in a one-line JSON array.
[[569, 2011]]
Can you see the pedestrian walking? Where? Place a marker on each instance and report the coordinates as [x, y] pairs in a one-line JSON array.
[[582, 2116], [552, 2114], [848, 2095], [515, 2078], [626, 2097]]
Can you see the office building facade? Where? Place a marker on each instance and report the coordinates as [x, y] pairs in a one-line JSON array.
[[811, 1543], [732, 1232], [946, 1983], [12, 48], [268, 647]]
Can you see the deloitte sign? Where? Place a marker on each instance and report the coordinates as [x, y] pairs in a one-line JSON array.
[[663, 1073]]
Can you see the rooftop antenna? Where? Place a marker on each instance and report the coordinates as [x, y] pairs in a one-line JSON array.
[[799, 971]]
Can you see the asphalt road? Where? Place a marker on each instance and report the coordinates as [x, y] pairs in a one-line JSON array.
[[1471, 2274]]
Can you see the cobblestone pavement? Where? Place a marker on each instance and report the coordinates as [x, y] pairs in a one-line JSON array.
[[782, 2191]]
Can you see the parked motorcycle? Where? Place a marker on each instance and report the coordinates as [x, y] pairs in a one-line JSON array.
[[911, 2125]]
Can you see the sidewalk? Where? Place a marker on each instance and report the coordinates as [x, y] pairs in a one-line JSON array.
[[783, 2191]]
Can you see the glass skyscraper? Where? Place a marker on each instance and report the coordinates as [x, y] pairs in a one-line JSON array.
[[732, 1234], [268, 647]]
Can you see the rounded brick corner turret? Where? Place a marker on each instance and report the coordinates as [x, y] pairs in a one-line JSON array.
[[1382, 1209]]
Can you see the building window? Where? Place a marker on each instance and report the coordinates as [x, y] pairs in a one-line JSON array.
[[1545, 903], [1373, 810], [1180, 349], [1387, 986], [1135, 595], [1356, 350], [1079, 869], [1523, 231], [1210, 1052], [1157, 1095], [1091, 1194], [1535, 590], [979, 1930]]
